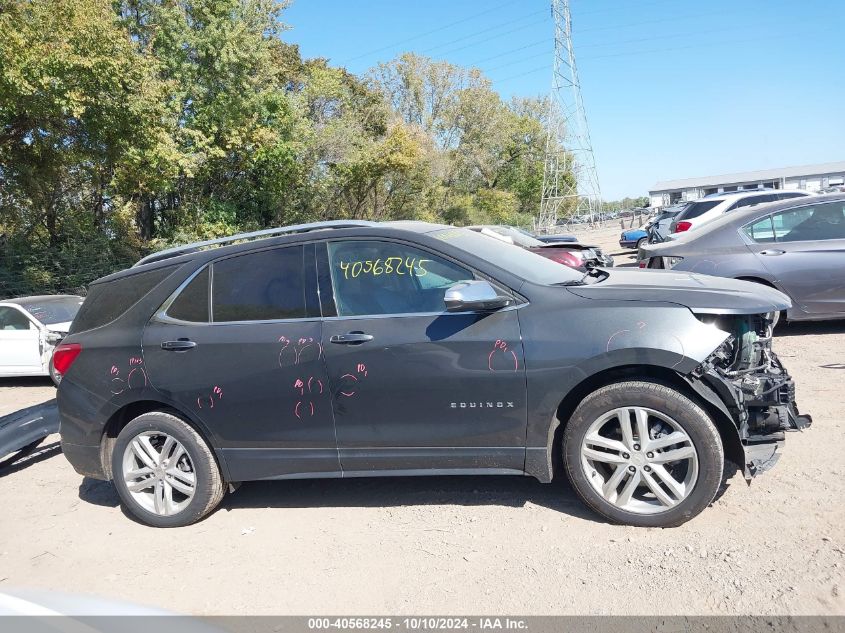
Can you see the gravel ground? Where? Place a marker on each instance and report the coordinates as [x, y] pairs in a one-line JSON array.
[[451, 546]]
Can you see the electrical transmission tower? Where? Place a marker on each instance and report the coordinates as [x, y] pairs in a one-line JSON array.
[[570, 182]]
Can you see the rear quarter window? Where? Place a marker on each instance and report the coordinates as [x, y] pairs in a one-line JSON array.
[[109, 300], [696, 209]]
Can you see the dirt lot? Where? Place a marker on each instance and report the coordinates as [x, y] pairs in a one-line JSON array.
[[447, 546]]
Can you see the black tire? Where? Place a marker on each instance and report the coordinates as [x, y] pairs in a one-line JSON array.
[[640, 242], [209, 486], [668, 401]]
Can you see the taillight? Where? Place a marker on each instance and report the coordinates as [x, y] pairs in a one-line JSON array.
[[683, 226], [64, 356], [570, 259]]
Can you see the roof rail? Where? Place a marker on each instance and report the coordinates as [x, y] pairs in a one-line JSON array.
[[283, 230]]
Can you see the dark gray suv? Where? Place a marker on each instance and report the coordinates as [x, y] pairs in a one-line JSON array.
[[354, 349]]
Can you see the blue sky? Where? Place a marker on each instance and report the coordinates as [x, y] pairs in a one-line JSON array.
[[673, 89]]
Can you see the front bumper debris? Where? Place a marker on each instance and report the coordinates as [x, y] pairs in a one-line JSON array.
[[763, 406]]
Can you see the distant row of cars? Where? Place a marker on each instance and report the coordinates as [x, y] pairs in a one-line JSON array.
[[563, 249], [791, 241]]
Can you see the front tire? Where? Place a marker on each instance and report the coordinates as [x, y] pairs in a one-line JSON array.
[[164, 471], [643, 454]]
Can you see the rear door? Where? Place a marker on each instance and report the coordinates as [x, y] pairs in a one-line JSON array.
[[20, 343], [804, 250], [248, 362], [415, 387]]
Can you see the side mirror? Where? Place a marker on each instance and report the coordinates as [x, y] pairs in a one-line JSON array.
[[474, 295]]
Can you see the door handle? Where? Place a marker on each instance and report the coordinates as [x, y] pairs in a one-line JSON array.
[[353, 338], [182, 345], [772, 251]]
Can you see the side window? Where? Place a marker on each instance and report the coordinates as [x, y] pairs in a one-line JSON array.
[[761, 231], [192, 302], [11, 319], [370, 277], [819, 222], [261, 286]]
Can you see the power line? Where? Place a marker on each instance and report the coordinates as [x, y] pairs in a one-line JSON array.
[[460, 48], [437, 30], [658, 50]]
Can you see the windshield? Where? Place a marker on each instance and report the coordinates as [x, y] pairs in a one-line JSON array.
[[51, 310], [695, 209], [519, 238], [522, 263]]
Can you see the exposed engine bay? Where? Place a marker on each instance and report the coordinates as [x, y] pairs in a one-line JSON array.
[[751, 380]]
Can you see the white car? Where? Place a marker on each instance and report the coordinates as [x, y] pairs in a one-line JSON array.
[[702, 211], [30, 328]]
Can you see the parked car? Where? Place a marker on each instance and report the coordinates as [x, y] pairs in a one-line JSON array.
[[658, 229], [796, 246], [833, 189], [556, 238], [572, 254], [632, 238], [30, 328], [700, 212], [352, 349]]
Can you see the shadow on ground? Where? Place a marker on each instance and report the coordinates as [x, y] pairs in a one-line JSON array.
[[378, 492], [510, 491], [810, 327], [43, 452], [26, 381]]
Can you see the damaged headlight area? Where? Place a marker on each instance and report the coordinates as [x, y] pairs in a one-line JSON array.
[[757, 389]]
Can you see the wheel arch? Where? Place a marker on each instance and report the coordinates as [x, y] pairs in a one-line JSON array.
[[128, 412], [757, 280], [697, 391]]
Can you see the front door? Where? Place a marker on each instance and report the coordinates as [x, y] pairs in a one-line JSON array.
[[20, 344], [805, 252], [250, 367], [415, 387]]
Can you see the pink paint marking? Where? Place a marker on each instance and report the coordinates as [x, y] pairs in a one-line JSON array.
[[350, 393], [296, 410], [607, 349], [515, 361], [136, 371]]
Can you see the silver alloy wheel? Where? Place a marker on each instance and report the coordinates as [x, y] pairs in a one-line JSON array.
[[640, 460], [158, 473]]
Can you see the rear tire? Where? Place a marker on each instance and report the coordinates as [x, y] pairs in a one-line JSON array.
[[164, 471], [661, 473]]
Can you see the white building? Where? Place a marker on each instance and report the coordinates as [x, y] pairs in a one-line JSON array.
[[808, 177]]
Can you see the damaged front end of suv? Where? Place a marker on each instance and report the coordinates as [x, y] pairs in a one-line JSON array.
[[754, 385]]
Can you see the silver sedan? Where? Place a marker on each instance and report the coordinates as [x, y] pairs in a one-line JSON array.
[[796, 246]]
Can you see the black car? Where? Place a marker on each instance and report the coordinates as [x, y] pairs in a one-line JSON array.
[[354, 349]]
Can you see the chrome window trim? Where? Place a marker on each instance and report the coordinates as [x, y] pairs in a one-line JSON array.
[[401, 315]]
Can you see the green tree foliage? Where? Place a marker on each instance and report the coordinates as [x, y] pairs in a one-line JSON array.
[[129, 125]]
